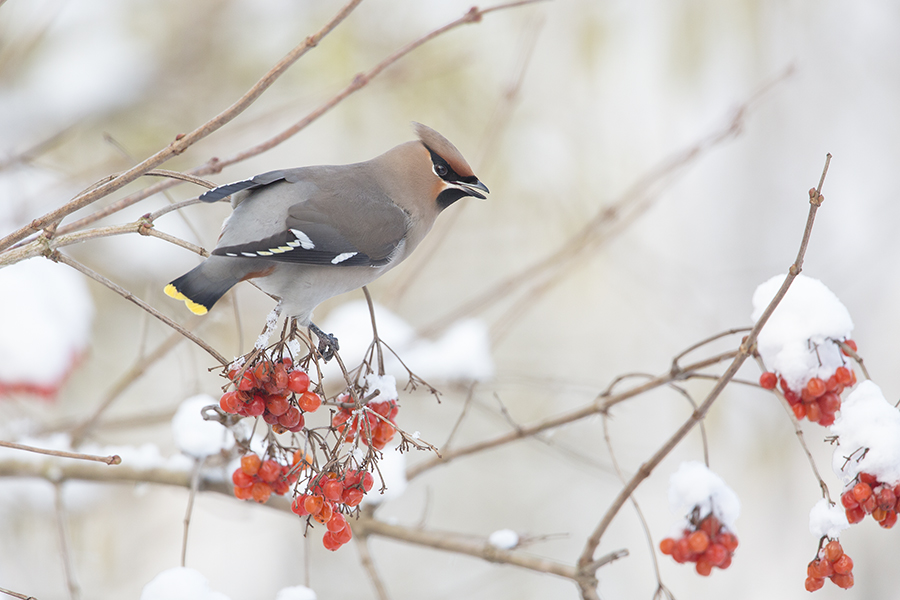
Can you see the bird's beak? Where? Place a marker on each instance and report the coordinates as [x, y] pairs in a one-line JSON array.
[[473, 189]]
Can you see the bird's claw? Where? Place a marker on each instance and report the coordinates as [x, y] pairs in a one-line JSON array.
[[328, 344]]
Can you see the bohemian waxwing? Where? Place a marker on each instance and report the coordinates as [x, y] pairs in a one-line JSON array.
[[310, 233]]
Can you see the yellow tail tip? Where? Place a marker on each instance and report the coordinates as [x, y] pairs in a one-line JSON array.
[[197, 309]]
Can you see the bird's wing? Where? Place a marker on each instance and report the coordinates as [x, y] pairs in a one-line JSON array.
[[223, 191], [330, 226]]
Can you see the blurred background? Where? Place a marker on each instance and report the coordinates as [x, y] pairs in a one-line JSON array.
[[562, 108]]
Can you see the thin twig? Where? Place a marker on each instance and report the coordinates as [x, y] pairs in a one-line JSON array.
[[10, 592], [195, 483], [375, 338], [123, 383], [65, 543], [115, 459], [744, 352], [57, 256], [365, 559], [602, 404]]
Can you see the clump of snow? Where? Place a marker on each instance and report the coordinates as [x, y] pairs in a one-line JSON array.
[[271, 321], [694, 485], [392, 468], [297, 592], [180, 583], [505, 539], [868, 431], [45, 325], [195, 436], [385, 384], [796, 341], [827, 519], [462, 353]]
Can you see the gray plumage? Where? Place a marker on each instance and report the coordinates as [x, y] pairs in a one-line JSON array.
[[310, 233]]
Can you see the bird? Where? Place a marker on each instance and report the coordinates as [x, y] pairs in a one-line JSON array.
[[307, 234]]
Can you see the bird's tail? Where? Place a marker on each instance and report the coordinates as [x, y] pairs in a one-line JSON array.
[[202, 286]]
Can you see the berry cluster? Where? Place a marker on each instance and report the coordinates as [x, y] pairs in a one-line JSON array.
[[349, 422], [831, 562], [266, 390], [872, 497], [709, 545], [258, 479], [325, 499], [819, 399]]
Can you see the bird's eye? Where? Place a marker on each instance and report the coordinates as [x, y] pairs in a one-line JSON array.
[[440, 170]]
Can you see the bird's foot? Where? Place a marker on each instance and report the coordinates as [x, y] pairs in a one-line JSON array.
[[328, 344]]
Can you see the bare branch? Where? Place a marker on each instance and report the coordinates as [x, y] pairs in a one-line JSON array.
[[115, 459]]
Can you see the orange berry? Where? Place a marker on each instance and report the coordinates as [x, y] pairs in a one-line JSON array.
[[325, 514], [243, 493], [833, 550], [313, 504], [250, 464], [855, 514], [842, 375], [261, 491], [813, 412], [241, 479], [667, 545], [297, 506], [844, 581], [332, 490], [698, 541], [816, 387], [820, 569], [309, 401], [848, 500], [843, 565], [813, 584]]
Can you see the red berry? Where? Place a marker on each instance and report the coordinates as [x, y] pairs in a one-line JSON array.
[[843, 565], [716, 554], [703, 567], [813, 412], [710, 525], [241, 479], [247, 383], [890, 520], [768, 380], [280, 376], [869, 479], [277, 405], [842, 375], [256, 407], [332, 490], [826, 419], [813, 584], [799, 410], [855, 515], [230, 402], [848, 500], [269, 471], [843, 581], [829, 402], [698, 541], [336, 522], [243, 493], [309, 401], [298, 382], [819, 569], [667, 545], [344, 535], [291, 418], [261, 491], [367, 481], [852, 346], [886, 498], [353, 496], [833, 550], [816, 387], [728, 539], [298, 507], [869, 505], [329, 541], [792, 398]]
